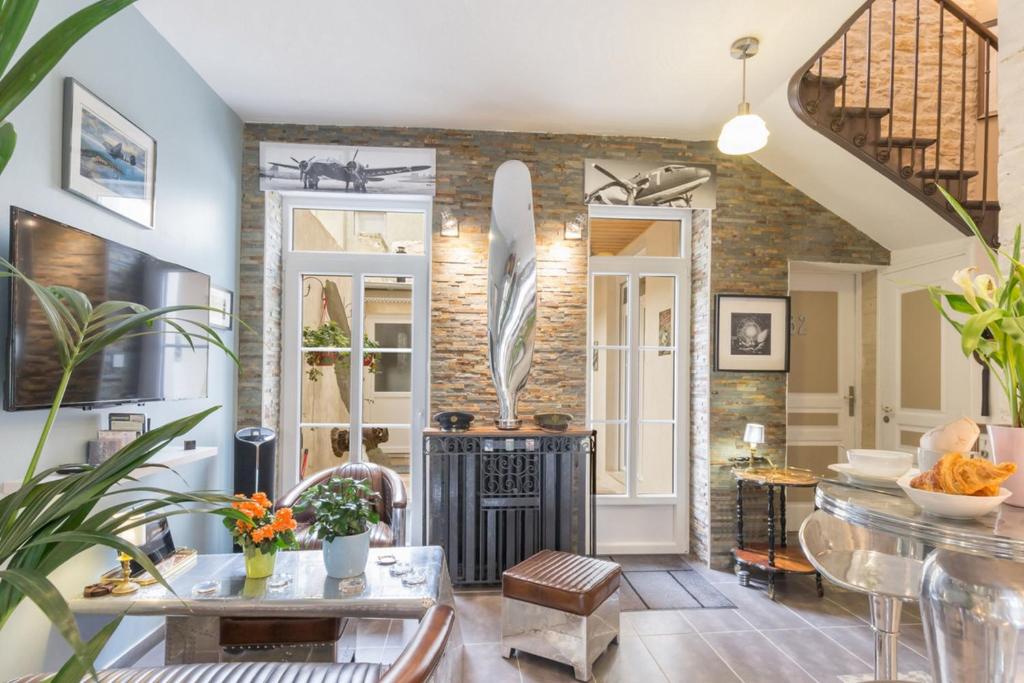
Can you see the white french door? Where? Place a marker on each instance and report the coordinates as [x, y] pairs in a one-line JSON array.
[[355, 327], [637, 388]]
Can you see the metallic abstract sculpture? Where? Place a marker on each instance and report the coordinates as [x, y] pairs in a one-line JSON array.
[[511, 287]]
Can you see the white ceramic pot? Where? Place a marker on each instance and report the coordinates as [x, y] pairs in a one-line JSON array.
[[1007, 444], [346, 556]]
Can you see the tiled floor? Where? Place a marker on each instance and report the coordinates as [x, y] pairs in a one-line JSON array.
[[797, 639]]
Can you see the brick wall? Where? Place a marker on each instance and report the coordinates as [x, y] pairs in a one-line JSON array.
[[760, 224], [917, 56]]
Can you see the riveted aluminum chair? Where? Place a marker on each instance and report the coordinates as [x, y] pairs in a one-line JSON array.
[[871, 562]]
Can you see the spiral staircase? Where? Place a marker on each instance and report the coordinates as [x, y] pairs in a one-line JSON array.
[[908, 87]]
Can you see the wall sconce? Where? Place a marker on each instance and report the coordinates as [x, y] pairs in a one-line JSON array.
[[574, 228], [449, 224]]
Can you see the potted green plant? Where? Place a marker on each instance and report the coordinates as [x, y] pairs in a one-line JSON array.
[[342, 511], [989, 313], [59, 512], [329, 335]]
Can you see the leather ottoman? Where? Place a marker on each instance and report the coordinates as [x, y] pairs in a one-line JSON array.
[[562, 607]]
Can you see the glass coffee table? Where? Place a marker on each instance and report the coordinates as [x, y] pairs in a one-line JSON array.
[[216, 587]]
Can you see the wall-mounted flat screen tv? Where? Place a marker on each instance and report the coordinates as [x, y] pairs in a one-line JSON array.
[[143, 368]]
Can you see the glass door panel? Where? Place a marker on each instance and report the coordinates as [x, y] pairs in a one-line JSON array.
[[656, 375], [325, 384], [362, 232], [387, 371], [656, 465], [609, 380]]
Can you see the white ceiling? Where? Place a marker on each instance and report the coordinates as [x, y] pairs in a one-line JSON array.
[[656, 67], [647, 67]]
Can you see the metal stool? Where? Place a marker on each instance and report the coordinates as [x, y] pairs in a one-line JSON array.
[[870, 562], [561, 606], [973, 610]]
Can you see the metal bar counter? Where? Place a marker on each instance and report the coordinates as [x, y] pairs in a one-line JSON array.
[[971, 584]]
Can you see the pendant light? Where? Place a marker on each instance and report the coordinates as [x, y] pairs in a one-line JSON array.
[[745, 132]]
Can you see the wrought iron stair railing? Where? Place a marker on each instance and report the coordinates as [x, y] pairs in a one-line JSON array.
[[908, 86]]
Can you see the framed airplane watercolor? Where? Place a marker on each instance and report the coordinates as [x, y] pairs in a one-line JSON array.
[[107, 159]]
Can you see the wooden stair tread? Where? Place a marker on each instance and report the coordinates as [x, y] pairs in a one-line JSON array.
[[975, 205], [827, 81], [789, 559], [945, 173], [919, 143], [853, 111]]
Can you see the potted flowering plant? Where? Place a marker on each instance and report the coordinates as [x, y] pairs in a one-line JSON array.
[[342, 509], [262, 533], [991, 328], [330, 335]]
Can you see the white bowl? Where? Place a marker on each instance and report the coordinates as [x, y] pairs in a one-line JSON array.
[[949, 504], [880, 463]]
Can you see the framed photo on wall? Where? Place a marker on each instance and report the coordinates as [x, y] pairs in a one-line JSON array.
[[107, 159], [224, 301], [751, 333]]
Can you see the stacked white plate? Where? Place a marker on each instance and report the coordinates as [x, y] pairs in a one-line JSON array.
[[870, 467], [849, 473]]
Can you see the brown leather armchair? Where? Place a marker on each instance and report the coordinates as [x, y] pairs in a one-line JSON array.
[[391, 503], [419, 661]]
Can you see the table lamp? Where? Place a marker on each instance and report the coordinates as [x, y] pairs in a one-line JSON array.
[[753, 435], [136, 536]]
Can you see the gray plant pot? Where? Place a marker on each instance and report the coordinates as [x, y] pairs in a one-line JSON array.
[[346, 556]]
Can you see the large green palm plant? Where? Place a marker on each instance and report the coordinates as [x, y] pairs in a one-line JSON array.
[[38, 60], [53, 517]]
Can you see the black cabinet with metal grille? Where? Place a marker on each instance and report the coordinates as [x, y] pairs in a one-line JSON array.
[[495, 498]]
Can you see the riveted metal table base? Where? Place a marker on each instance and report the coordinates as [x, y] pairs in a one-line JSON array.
[[560, 636], [972, 609]]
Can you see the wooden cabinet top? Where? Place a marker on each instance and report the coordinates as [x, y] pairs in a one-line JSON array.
[[530, 432]]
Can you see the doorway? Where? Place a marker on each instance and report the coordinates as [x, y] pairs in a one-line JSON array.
[[638, 347], [355, 307]]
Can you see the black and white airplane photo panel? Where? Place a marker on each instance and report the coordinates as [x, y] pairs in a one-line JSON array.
[[630, 182], [339, 168]]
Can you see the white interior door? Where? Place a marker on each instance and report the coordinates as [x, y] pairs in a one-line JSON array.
[[637, 398], [823, 402], [924, 378], [360, 266]]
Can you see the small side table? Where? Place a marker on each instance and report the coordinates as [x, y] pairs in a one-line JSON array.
[[774, 557]]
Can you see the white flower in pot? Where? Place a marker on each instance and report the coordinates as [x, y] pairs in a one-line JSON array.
[[343, 510], [988, 313]]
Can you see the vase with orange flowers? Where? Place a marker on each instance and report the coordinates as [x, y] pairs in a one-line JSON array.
[[262, 533]]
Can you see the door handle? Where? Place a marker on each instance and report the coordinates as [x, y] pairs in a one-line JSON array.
[[851, 399], [887, 413]]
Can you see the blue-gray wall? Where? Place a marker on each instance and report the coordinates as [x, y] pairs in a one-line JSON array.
[[128, 64]]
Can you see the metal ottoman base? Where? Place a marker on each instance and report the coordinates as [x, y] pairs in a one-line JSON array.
[[559, 636]]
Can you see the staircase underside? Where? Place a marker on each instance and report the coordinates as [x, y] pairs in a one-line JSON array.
[[864, 132]]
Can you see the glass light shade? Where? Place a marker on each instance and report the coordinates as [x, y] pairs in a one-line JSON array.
[[754, 433], [743, 134]]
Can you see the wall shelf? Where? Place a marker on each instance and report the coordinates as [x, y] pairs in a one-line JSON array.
[[172, 457]]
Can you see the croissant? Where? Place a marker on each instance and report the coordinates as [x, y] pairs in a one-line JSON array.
[[955, 474]]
